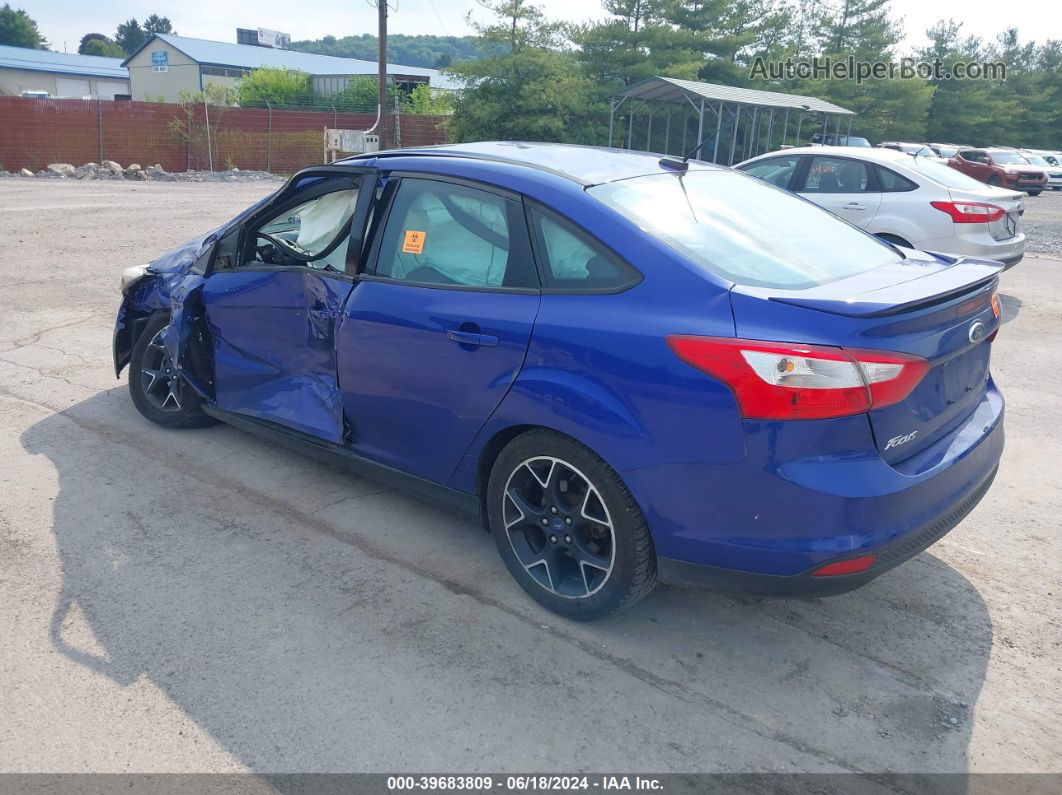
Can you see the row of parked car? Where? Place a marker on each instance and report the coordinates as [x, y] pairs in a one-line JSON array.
[[912, 201], [1029, 170]]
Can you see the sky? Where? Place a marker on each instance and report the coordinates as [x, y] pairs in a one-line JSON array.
[[64, 22]]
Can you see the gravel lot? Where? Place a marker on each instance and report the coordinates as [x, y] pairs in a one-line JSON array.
[[203, 601], [1042, 222]]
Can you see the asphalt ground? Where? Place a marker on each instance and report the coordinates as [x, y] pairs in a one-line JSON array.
[[205, 601]]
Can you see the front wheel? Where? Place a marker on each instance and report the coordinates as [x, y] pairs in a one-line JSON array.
[[567, 527], [1034, 192], [158, 391], [993, 181]]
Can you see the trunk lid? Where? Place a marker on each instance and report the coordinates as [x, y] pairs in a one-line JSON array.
[[1012, 202], [933, 306]]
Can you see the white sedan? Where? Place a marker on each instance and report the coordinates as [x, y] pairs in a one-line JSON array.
[[915, 202]]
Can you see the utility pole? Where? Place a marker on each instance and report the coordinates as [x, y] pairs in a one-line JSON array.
[[381, 7]]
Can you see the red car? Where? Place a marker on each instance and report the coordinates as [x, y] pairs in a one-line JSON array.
[[1003, 167]]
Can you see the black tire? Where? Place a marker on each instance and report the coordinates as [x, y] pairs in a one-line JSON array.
[[1034, 192], [152, 396], [993, 181], [632, 570], [896, 240]]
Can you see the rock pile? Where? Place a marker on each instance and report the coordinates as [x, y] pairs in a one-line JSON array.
[[109, 169]]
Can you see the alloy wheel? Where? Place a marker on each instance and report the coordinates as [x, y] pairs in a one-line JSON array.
[[159, 377], [559, 527]]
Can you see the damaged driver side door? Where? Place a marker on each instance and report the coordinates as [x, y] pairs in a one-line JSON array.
[[274, 297]]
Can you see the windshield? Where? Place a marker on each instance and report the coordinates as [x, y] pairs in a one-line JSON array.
[[947, 151], [745, 230], [1006, 158], [946, 175], [1036, 160], [853, 141]]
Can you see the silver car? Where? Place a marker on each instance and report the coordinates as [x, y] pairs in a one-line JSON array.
[[915, 202]]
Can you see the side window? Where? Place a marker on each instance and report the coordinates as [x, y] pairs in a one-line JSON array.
[[314, 233], [776, 170], [836, 175], [447, 234], [891, 182], [571, 260], [974, 157]]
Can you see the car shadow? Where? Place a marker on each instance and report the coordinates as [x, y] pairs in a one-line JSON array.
[[298, 654], [1011, 306]]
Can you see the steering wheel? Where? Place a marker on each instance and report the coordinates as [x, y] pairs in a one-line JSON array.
[[288, 247]]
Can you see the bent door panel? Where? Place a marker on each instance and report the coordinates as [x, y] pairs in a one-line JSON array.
[[274, 346]]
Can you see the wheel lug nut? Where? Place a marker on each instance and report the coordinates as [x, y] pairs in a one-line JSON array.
[[568, 520], [553, 509], [567, 539], [553, 539]]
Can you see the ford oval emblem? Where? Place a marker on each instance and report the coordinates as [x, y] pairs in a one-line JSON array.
[[977, 331]]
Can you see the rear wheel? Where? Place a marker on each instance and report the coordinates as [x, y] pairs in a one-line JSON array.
[[158, 391], [567, 528], [1034, 192]]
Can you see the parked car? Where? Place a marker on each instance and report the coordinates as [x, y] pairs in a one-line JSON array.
[[915, 150], [914, 202], [1049, 164], [1001, 167], [945, 151], [833, 139], [633, 368]]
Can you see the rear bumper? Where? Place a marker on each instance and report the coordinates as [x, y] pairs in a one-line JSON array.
[[974, 240], [679, 572], [766, 523]]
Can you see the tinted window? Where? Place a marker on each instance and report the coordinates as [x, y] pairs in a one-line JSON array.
[[572, 261], [976, 157], [891, 182], [776, 170], [440, 233], [836, 175], [744, 230]]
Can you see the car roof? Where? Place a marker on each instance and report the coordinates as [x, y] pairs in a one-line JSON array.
[[587, 165], [858, 152]]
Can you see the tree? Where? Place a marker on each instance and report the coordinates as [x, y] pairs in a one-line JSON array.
[[281, 88], [90, 37], [18, 29], [157, 24], [130, 36], [98, 44], [527, 89]]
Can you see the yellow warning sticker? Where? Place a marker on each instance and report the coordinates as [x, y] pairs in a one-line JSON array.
[[413, 243]]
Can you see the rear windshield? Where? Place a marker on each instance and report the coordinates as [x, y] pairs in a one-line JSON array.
[[945, 175], [745, 230]]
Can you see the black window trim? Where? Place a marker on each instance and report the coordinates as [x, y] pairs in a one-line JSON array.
[[367, 273], [235, 244], [541, 260]]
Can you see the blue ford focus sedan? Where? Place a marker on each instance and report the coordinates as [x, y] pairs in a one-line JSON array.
[[634, 369]]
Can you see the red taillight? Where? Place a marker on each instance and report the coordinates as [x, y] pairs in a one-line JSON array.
[[791, 381], [970, 212], [850, 566]]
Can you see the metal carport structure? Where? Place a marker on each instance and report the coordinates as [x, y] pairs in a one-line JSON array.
[[738, 111]]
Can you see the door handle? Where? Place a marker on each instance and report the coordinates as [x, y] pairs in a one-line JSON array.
[[854, 206], [473, 338]]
